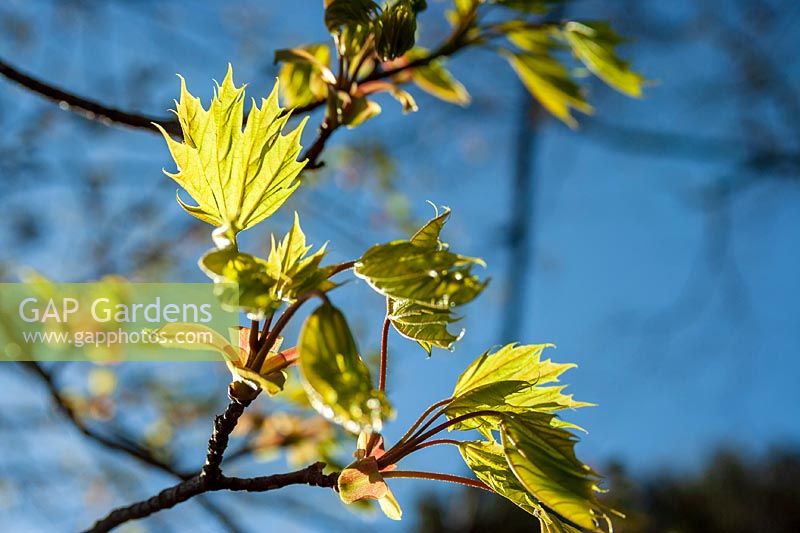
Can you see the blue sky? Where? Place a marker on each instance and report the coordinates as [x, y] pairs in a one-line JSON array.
[[684, 320]]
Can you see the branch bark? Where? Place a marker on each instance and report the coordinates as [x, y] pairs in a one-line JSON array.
[[120, 443], [311, 475]]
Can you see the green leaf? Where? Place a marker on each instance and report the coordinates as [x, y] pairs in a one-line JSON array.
[[362, 481], [270, 377], [236, 178], [398, 26], [594, 43], [262, 285], [436, 80], [342, 13], [305, 74], [549, 82], [425, 325], [487, 461], [543, 459], [423, 281], [511, 363], [431, 277], [355, 110], [252, 289], [337, 380], [515, 397], [294, 270], [428, 235]]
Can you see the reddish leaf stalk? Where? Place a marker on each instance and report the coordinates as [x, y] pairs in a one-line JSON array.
[[384, 354], [413, 474]]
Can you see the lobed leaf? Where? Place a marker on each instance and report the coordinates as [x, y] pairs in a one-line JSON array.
[[237, 178], [262, 285], [305, 74], [510, 363], [543, 459], [488, 462], [423, 282]]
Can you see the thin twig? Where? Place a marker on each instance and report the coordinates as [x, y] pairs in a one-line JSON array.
[[384, 353], [413, 474], [422, 417]]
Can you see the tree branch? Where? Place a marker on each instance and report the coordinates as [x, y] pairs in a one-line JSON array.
[[311, 475], [95, 110], [121, 444], [88, 109]]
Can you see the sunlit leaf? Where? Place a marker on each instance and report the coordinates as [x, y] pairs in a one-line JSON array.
[[339, 13], [305, 74], [515, 397], [425, 325], [423, 282], [488, 462], [543, 459], [397, 30], [549, 82], [362, 481], [262, 285], [594, 43], [338, 381], [436, 80], [511, 363], [237, 178], [427, 275]]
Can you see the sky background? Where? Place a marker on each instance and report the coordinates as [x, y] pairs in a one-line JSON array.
[[667, 270]]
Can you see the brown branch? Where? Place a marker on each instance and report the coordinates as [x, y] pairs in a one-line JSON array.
[[218, 442], [88, 109], [94, 110], [120, 444], [312, 475]]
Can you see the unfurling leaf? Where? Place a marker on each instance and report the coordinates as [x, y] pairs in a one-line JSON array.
[[595, 45], [423, 282], [488, 462], [355, 110], [543, 459], [507, 392], [362, 481], [338, 381], [376, 86], [398, 26], [262, 285], [270, 377], [343, 13], [305, 74], [237, 178], [436, 80], [430, 276]]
